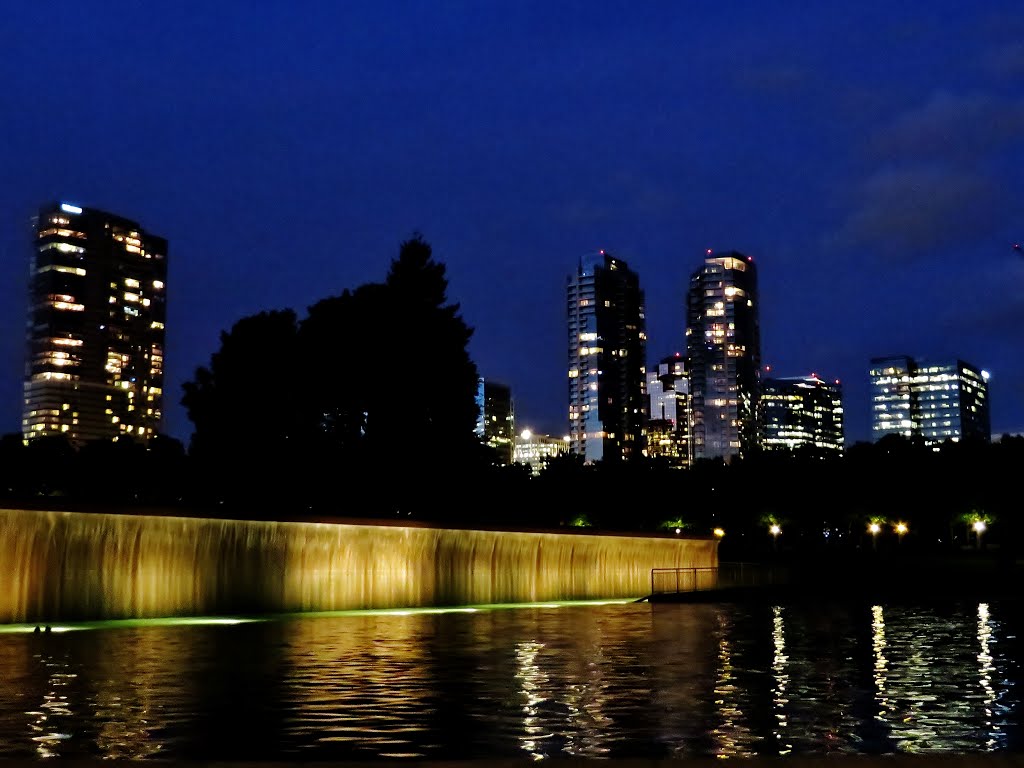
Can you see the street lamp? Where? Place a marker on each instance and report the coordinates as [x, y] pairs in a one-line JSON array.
[[775, 529], [719, 532], [874, 529], [979, 528], [901, 529]]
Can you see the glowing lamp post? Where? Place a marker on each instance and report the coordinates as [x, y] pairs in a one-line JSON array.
[[979, 528], [719, 532], [775, 529], [901, 530], [874, 529]]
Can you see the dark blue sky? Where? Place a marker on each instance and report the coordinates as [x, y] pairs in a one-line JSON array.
[[868, 154]]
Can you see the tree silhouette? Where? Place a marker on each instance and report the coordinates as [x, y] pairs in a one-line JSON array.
[[373, 390], [244, 410]]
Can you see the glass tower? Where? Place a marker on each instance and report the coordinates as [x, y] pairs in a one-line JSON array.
[[607, 348], [723, 347], [669, 417], [801, 412], [936, 401], [495, 421], [95, 358]]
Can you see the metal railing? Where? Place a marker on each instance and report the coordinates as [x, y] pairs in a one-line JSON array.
[[675, 580]]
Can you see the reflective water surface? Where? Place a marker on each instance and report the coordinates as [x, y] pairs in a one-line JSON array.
[[594, 680]]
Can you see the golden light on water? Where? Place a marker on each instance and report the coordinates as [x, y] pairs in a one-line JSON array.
[[780, 700]]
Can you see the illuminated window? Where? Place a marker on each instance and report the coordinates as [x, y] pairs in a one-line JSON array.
[[63, 301], [62, 233]]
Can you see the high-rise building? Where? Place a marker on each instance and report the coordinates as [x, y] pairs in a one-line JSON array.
[[97, 307], [607, 348], [894, 406], [536, 450], [936, 401], [802, 412], [723, 348], [495, 421], [668, 416]]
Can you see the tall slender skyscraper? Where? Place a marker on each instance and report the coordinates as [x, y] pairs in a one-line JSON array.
[[607, 348], [723, 347], [97, 307]]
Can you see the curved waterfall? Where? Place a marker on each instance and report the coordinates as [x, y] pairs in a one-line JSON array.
[[83, 566]]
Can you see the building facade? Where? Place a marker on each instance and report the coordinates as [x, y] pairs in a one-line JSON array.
[[95, 338], [723, 349], [607, 349], [935, 401], [537, 450], [669, 414], [495, 422], [801, 413]]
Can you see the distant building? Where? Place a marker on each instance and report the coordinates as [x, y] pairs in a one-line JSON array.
[[801, 412], [723, 349], [495, 423], [936, 401], [97, 307], [607, 347], [668, 415], [537, 450]]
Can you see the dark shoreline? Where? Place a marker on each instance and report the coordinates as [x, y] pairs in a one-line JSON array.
[[867, 577]]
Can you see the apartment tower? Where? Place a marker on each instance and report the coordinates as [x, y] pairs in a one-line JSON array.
[[723, 349], [97, 307]]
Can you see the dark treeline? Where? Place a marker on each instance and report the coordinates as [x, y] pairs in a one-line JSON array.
[[364, 408], [820, 503]]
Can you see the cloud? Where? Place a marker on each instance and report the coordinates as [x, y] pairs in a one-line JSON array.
[[952, 126], [1006, 61], [915, 210], [937, 176]]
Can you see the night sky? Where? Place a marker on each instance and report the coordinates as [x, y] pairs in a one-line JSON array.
[[868, 155]]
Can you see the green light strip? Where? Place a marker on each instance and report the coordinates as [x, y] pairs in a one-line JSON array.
[[189, 621]]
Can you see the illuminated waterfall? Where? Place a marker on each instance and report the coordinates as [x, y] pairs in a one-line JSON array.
[[80, 566]]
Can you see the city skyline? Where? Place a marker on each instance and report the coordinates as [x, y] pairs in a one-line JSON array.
[[863, 156]]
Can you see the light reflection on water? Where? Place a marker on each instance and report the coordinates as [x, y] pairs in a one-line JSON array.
[[600, 680]]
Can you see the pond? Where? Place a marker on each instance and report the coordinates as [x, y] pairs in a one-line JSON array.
[[615, 679]]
